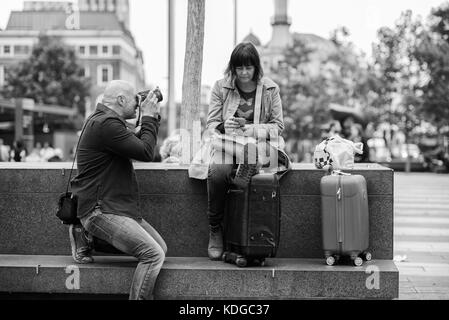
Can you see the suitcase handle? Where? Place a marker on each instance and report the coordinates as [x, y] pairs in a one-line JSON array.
[[339, 173]]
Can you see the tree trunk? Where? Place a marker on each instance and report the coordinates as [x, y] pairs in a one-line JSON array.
[[191, 86]]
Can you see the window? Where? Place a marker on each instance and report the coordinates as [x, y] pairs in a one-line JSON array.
[[7, 50], [21, 50], [82, 50], [104, 74], [104, 50], [85, 72], [2, 76], [93, 50], [116, 50]]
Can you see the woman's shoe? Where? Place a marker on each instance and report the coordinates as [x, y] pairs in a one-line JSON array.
[[215, 247]]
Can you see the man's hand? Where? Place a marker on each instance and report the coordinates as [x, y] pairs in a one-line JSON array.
[[150, 106]]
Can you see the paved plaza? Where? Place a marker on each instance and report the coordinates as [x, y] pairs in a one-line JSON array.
[[421, 233]]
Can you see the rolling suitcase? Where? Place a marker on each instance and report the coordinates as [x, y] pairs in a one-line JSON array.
[[252, 221], [345, 219]]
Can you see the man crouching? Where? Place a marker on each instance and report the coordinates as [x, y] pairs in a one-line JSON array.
[[106, 186]]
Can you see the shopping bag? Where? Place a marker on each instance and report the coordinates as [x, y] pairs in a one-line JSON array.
[[336, 153]]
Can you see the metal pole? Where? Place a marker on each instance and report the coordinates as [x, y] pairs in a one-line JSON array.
[[172, 116], [235, 23]]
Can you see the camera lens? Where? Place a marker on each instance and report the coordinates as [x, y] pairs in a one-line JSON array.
[[158, 94], [143, 95]]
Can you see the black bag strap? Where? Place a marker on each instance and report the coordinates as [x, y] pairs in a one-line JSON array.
[[76, 152]]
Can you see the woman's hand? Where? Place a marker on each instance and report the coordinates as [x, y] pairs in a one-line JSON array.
[[248, 131], [231, 125]]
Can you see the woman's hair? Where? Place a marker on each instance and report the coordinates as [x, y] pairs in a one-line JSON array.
[[245, 54]]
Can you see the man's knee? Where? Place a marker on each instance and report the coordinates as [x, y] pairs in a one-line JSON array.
[[159, 256], [153, 254], [164, 248]]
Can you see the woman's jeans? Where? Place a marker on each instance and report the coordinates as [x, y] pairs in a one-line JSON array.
[[219, 180], [133, 237]]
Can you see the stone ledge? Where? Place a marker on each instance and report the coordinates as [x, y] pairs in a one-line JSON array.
[[303, 179], [28, 200], [200, 278]]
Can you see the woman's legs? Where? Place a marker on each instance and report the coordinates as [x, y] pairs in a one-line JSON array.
[[218, 182]]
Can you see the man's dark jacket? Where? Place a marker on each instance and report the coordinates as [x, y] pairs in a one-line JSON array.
[[106, 175]]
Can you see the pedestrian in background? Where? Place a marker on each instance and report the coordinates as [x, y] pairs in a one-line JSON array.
[[18, 152]]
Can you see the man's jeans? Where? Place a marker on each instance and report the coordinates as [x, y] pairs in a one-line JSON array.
[[133, 237]]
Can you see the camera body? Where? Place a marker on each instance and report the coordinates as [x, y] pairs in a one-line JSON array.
[[143, 95]]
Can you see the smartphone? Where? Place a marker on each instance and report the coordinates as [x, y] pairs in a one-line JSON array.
[[241, 121]]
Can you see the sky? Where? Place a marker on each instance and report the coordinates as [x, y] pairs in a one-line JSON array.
[[149, 24]]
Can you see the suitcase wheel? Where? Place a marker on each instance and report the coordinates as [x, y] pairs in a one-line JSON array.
[[357, 261], [330, 261], [259, 262], [241, 262], [225, 256]]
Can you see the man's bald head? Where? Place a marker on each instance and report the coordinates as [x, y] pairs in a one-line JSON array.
[[115, 89], [120, 96]]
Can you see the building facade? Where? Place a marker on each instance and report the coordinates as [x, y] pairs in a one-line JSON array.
[[98, 30], [272, 53]]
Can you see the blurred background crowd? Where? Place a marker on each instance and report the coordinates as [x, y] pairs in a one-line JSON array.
[[394, 100]]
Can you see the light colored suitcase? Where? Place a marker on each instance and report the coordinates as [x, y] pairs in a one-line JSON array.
[[345, 218]]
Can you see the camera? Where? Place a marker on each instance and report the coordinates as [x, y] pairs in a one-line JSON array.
[[141, 96]]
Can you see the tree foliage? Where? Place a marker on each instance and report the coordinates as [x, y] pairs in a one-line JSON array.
[[433, 54], [412, 59], [51, 75], [310, 82], [396, 61]]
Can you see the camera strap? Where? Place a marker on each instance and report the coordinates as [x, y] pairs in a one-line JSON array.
[[76, 152]]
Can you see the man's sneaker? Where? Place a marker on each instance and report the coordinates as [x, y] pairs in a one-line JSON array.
[[81, 246], [215, 248]]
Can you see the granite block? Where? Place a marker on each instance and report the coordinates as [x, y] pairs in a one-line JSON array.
[[200, 278], [33, 181], [182, 222], [168, 179], [176, 206]]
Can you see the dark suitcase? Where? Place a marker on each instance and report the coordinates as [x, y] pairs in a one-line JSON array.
[[252, 221], [345, 219]]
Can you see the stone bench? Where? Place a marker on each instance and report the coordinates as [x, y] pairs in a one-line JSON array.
[[200, 278], [176, 206]]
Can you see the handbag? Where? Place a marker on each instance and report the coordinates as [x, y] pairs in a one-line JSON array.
[[199, 166], [67, 201]]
